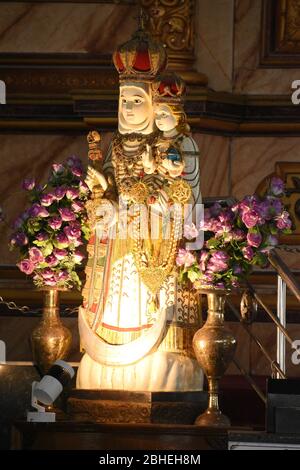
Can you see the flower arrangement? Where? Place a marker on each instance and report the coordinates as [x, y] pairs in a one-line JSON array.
[[50, 232], [238, 238]]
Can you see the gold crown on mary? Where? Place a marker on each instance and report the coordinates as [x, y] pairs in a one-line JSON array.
[[140, 58]]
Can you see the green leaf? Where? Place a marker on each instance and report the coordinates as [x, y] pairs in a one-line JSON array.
[[192, 275], [47, 250]]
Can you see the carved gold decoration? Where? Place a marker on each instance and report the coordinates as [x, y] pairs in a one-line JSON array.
[[172, 23], [289, 172], [214, 348], [94, 140], [281, 33], [180, 191], [139, 192]]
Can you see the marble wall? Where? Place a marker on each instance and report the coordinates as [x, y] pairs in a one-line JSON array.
[[228, 43], [53, 27]]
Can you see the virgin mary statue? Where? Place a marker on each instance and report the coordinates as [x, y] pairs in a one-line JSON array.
[[137, 323]]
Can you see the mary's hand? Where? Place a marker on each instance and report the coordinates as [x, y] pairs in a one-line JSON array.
[[94, 178]]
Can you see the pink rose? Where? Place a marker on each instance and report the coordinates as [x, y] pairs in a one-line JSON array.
[[47, 199], [185, 258], [77, 206], [60, 253], [38, 211], [66, 214], [35, 255], [26, 266], [190, 231], [254, 239], [59, 192], [78, 256], [28, 184], [72, 193], [55, 223]]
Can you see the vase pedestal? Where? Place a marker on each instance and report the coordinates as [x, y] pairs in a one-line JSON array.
[[117, 406]]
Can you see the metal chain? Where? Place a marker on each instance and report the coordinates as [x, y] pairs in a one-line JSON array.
[[25, 309]]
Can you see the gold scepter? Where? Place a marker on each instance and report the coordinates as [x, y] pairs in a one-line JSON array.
[[96, 157]]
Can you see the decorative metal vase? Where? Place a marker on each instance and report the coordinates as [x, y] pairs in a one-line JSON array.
[[214, 348], [50, 340]]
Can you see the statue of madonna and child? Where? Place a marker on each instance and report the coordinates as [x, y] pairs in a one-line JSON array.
[[137, 322]]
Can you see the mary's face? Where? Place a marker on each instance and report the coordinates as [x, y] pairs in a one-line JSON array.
[[135, 104], [164, 118]]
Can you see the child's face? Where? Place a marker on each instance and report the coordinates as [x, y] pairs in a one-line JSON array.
[[164, 118]]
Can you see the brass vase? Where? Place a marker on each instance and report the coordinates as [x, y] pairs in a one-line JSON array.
[[50, 340], [214, 347]]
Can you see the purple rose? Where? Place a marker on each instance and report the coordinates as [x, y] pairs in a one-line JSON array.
[[62, 276], [185, 258], [67, 214], [277, 186], [19, 239], [50, 281], [74, 161], [283, 221], [190, 231], [77, 171], [218, 262], [28, 184], [208, 277], [62, 240], [77, 242], [73, 231], [220, 285], [238, 235], [58, 168], [215, 209], [60, 254], [250, 218], [254, 239], [237, 269], [59, 192], [35, 255], [26, 266], [78, 256], [42, 236], [17, 223], [72, 193], [248, 253], [51, 260], [38, 211], [55, 223], [47, 199], [47, 273], [272, 240], [77, 206]]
